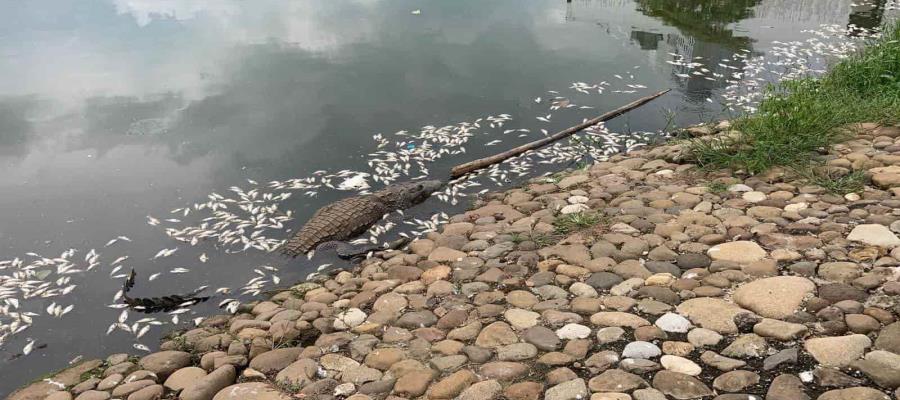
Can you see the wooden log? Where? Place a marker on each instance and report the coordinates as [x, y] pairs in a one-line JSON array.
[[480, 163]]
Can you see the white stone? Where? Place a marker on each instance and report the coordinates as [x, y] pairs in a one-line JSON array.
[[740, 187], [577, 200], [796, 207], [344, 389], [852, 197], [671, 322], [639, 349], [680, 364], [874, 235], [573, 331], [754, 197], [580, 289], [623, 228], [349, 319], [574, 208]]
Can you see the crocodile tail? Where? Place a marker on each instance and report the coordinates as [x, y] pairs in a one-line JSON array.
[[296, 246], [155, 304]]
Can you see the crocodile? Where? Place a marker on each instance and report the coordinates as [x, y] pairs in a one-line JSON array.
[[326, 230], [332, 224]]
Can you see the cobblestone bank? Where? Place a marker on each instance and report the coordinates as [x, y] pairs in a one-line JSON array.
[[638, 278]]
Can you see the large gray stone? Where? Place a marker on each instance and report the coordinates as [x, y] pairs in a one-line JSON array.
[[206, 387], [838, 351], [874, 235], [680, 386], [275, 360], [776, 297], [251, 391], [741, 252], [164, 363]]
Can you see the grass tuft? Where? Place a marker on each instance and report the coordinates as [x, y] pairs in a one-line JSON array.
[[575, 221], [717, 187], [837, 183], [544, 240], [800, 118]]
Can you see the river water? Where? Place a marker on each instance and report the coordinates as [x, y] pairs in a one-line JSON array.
[[113, 111]]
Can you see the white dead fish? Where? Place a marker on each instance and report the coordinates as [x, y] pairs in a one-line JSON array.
[[164, 253]]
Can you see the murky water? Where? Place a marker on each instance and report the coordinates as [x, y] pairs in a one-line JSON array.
[[111, 111]]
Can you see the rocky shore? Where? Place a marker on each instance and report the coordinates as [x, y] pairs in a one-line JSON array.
[[638, 278]]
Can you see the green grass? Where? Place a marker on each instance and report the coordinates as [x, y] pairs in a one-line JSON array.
[[544, 240], [853, 182], [575, 221], [717, 187], [517, 237], [801, 117]]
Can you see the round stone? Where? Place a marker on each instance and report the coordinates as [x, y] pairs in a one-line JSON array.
[[740, 252], [573, 331], [521, 319], [680, 386], [701, 337], [735, 381], [874, 235], [610, 334], [184, 378], [577, 200], [639, 349], [164, 363], [753, 197], [671, 322], [854, 393], [251, 390], [574, 208], [349, 319], [569, 390], [680, 364]]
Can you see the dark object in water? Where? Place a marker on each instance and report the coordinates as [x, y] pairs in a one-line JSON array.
[[352, 216], [17, 355], [353, 252], [158, 304]]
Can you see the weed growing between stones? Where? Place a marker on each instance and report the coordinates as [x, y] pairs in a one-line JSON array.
[[572, 222], [717, 187], [837, 183], [799, 118]]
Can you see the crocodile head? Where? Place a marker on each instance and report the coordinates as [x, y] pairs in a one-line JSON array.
[[406, 194]]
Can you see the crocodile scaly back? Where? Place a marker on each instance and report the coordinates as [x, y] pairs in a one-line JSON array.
[[340, 220]]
